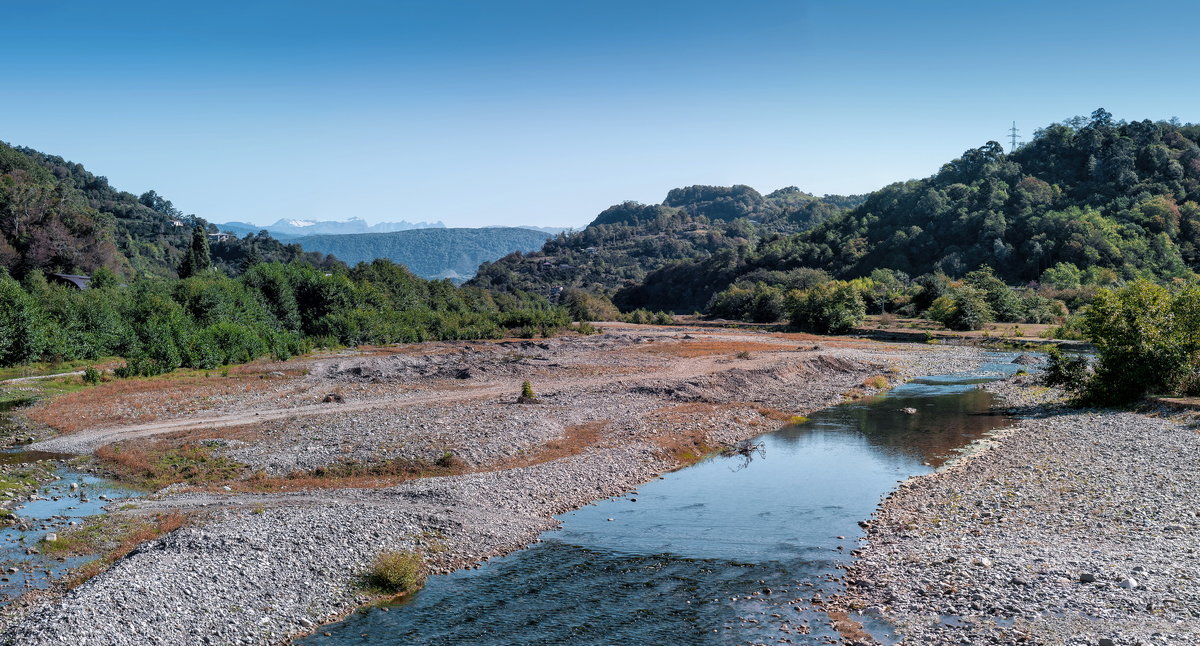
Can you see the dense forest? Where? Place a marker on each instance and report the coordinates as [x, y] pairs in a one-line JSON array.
[[168, 291], [430, 253], [1087, 201], [1031, 235], [627, 241], [55, 216], [210, 319]]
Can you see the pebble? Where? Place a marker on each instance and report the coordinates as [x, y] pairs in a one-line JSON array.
[[305, 553], [1067, 497]]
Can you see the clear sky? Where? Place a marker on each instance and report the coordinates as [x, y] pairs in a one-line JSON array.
[[540, 112]]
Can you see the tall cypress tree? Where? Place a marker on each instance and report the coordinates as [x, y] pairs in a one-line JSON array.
[[198, 257]]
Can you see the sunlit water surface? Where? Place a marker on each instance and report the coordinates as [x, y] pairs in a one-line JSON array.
[[722, 552]]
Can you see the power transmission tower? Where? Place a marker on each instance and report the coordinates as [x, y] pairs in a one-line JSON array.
[[1012, 135]]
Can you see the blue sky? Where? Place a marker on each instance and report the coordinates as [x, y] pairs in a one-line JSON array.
[[524, 112]]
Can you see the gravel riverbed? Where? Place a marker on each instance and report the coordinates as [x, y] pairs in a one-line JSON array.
[[262, 568], [1074, 527]]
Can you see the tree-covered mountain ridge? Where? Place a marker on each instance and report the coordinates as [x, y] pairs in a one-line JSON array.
[[452, 253], [629, 240], [289, 228], [1117, 199], [56, 216]]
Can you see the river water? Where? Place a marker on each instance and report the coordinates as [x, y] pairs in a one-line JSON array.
[[722, 552], [55, 507]]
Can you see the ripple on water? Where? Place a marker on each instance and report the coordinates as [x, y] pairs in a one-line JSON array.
[[692, 560]]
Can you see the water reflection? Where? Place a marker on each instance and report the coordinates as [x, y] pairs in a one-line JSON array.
[[706, 555]]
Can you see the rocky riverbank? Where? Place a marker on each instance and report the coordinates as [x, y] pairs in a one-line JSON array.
[[1074, 527]]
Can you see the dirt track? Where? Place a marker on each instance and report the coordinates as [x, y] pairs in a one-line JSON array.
[[653, 357], [646, 396]]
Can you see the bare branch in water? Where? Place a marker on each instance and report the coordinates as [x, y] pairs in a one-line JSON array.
[[746, 450]]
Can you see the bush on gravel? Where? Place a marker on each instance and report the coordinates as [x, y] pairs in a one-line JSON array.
[[398, 572]]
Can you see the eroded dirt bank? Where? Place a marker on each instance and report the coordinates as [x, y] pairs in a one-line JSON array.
[[1074, 527], [275, 556]]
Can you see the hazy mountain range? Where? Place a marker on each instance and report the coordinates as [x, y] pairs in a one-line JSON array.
[[429, 253], [290, 228], [285, 228]]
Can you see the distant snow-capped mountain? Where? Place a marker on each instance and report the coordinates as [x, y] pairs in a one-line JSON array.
[[290, 228]]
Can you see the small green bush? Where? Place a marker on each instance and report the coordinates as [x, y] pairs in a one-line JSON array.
[[140, 366], [527, 390], [586, 328], [398, 572], [828, 308], [92, 376], [1069, 372]]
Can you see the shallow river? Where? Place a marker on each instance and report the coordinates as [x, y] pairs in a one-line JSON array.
[[718, 553], [54, 508]]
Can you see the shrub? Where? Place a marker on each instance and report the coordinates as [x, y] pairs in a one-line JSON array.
[[527, 390], [398, 572], [92, 376], [584, 306], [1069, 372], [759, 303], [1144, 338], [586, 328], [1147, 340], [663, 318], [877, 381], [962, 308], [1001, 299], [23, 327], [828, 308], [141, 366]]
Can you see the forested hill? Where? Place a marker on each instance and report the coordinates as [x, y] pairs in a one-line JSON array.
[[55, 216], [1086, 194], [430, 253], [629, 240]]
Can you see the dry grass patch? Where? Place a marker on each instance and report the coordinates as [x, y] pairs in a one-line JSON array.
[[156, 464], [703, 347], [112, 536], [574, 441], [681, 439], [876, 381], [850, 630], [354, 475], [139, 400]]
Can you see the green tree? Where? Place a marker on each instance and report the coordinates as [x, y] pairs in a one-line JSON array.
[[198, 257], [1001, 299], [962, 308], [1063, 275], [1141, 345], [829, 308], [23, 328]]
